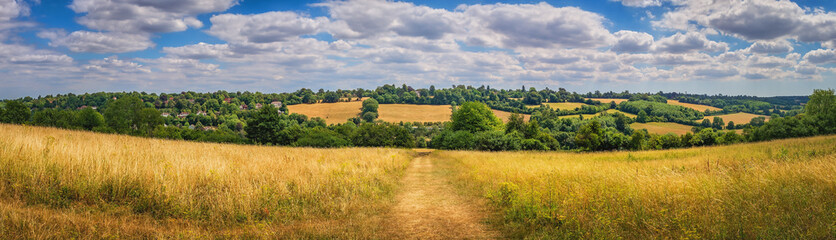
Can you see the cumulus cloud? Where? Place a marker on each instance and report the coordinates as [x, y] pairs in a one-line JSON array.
[[10, 9], [98, 42], [199, 51], [366, 18], [758, 19], [770, 47], [264, 28], [640, 3], [630, 41], [114, 64], [689, 42], [821, 56], [540, 25]]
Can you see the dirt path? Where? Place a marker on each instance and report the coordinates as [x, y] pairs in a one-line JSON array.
[[429, 208]]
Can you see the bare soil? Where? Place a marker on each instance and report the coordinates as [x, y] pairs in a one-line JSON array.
[[428, 207]]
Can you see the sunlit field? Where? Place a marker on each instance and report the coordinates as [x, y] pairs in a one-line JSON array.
[[771, 190], [59, 184], [340, 112], [565, 105], [610, 111], [609, 100], [737, 118], [697, 107], [662, 127]]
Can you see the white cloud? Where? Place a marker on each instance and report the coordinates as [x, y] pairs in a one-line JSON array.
[[640, 3], [199, 51], [541, 25], [689, 42], [770, 47], [10, 9], [144, 16], [821, 56], [114, 64], [630, 41], [98, 42], [264, 28], [367, 18]]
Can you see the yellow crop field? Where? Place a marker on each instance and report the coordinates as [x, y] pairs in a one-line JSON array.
[[771, 190], [738, 118], [61, 184], [697, 107], [565, 105], [662, 127], [609, 100], [340, 112], [332, 112]]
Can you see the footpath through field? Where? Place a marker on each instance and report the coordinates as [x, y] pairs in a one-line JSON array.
[[429, 208]]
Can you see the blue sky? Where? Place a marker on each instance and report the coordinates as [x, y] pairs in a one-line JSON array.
[[752, 47]]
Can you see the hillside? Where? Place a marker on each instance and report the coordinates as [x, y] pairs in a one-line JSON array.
[[697, 107], [340, 112], [91, 185]]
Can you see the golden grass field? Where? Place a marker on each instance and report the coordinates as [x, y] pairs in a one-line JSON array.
[[340, 112], [738, 118], [697, 107], [662, 128], [62, 184], [771, 190], [565, 105], [609, 100]]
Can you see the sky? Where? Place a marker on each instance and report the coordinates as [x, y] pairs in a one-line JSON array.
[[733, 47]]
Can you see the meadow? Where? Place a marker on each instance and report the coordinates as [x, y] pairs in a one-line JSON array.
[[340, 112], [697, 107], [610, 111], [771, 190], [609, 100], [737, 118], [60, 184], [564, 105], [662, 128]]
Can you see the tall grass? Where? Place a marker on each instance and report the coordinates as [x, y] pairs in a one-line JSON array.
[[779, 189], [214, 184]]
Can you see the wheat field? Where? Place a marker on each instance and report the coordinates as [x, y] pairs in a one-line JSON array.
[[340, 112], [737, 118], [130, 187], [697, 107], [772, 190]]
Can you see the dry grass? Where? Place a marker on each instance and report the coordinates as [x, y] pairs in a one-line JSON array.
[[342, 111], [697, 107], [51, 178], [772, 190], [333, 113], [565, 105], [738, 118], [662, 127], [608, 100]]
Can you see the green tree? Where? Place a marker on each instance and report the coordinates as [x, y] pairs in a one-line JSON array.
[[706, 123], [642, 117], [589, 136], [474, 117], [731, 125], [369, 110], [821, 103], [121, 114], [267, 126], [89, 118], [146, 120], [16, 112], [718, 123], [515, 123]]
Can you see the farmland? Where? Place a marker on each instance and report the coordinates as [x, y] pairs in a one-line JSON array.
[[340, 112], [697, 107], [609, 100], [610, 111], [129, 187], [770, 190], [737, 118], [662, 128], [565, 105], [92, 185]]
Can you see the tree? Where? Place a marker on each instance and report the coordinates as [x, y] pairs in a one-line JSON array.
[[515, 123], [474, 117], [822, 102], [16, 112], [589, 136], [642, 117], [147, 119], [268, 126], [89, 118], [121, 114], [706, 123], [731, 125], [718, 123], [369, 110]]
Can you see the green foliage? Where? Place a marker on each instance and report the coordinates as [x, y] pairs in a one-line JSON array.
[[642, 117], [16, 112], [718, 123], [661, 112], [515, 123], [382, 135], [322, 138], [89, 118], [55, 118], [267, 126], [129, 115], [474, 117]]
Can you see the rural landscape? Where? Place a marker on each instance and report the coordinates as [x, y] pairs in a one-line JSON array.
[[378, 119]]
